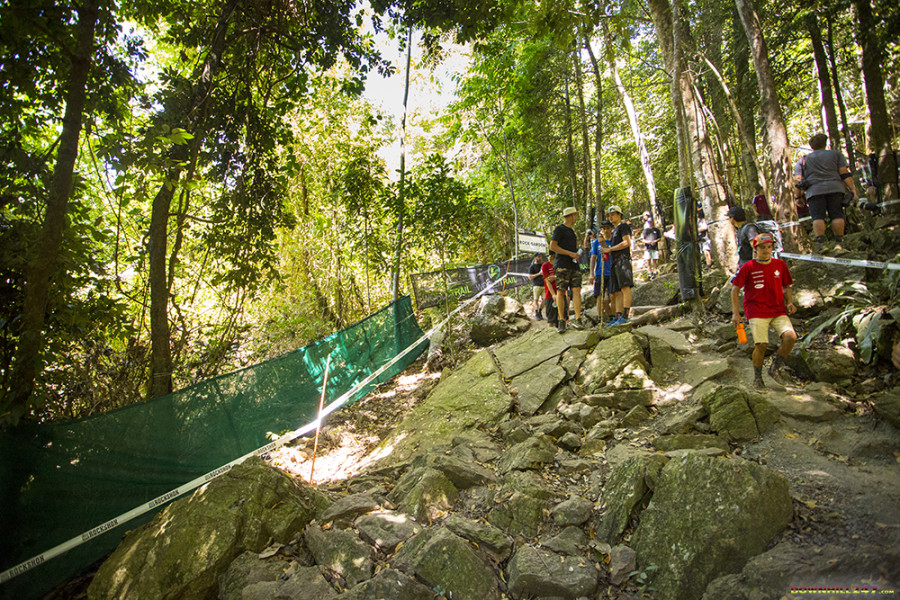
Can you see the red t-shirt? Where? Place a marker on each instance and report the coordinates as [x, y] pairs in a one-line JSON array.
[[547, 270], [763, 285]]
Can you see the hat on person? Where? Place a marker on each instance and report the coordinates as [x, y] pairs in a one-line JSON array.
[[614, 208], [536, 254], [762, 238], [569, 210], [737, 213], [605, 223]]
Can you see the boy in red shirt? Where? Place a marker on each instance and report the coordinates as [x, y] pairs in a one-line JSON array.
[[768, 299], [549, 275]]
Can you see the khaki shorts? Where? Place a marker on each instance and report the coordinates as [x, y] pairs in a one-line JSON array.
[[759, 328], [538, 293]]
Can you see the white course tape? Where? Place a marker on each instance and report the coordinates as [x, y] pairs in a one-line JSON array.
[[194, 484], [847, 262]]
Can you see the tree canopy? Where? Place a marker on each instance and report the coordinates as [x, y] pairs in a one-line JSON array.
[[191, 187]]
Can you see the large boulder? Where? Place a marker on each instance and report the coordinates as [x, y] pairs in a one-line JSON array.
[[706, 518], [191, 542], [497, 318], [609, 359], [424, 493], [341, 553], [738, 416], [472, 398], [630, 484], [832, 364], [817, 284], [450, 565], [658, 292], [534, 572]]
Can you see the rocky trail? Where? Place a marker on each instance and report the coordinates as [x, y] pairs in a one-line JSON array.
[[625, 462]]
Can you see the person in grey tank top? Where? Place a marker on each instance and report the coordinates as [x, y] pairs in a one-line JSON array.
[[823, 174]]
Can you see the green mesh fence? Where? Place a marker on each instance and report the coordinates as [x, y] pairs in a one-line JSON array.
[[60, 480]]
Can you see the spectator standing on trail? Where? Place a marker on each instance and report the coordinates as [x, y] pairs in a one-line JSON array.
[[651, 236], [744, 233], [768, 300], [549, 276], [568, 274], [600, 268], [823, 174], [621, 278], [761, 206], [537, 284], [703, 235]]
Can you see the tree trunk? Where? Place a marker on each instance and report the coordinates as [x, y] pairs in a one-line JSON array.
[[750, 160], [43, 262], [585, 141], [570, 149], [879, 130], [829, 117], [598, 136], [661, 12], [644, 155], [845, 125], [706, 173], [779, 156], [194, 119], [401, 206], [747, 100]]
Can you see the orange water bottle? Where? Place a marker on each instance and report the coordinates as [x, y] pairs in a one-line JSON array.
[[742, 335]]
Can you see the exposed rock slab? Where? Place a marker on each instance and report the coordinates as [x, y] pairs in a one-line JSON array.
[[674, 339], [804, 407], [536, 572], [609, 358], [628, 485], [471, 397], [450, 565], [240, 511], [706, 518], [385, 530], [536, 385], [526, 352], [341, 552], [424, 493], [387, 584]]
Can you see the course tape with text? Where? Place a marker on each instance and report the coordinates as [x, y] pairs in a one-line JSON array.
[[194, 484], [847, 262]]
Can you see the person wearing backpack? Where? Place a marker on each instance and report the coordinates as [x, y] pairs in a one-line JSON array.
[[822, 174], [744, 233]]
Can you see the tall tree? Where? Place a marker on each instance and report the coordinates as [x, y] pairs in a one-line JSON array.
[[879, 130], [45, 258], [707, 174], [661, 12], [779, 147], [643, 154], [829, 116]]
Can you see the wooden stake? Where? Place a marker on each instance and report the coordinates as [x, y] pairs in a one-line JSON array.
[[319, 418]]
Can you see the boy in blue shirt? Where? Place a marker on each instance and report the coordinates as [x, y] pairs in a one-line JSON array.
[[600, 268]]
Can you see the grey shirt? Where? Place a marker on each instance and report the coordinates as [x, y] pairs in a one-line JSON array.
[[822, 169]]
